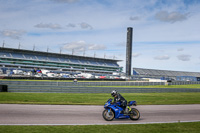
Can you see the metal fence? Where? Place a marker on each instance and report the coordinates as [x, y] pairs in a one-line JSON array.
[[61, 89], [54, 83], [183, 82], [92, 87]]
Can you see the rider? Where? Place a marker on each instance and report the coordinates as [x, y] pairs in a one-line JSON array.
[[119, 98]]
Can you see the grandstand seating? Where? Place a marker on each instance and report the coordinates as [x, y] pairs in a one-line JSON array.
[[74, 61], [101, 63], [55, 59], [84, 61], [93, 62], [164, 73], [30, 57], [26, 58], [5, 54]]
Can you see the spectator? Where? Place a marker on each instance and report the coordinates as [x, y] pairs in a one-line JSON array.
[[75, 81], [34, 71]]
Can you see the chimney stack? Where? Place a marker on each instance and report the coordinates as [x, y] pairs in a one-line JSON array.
[[129, 51]]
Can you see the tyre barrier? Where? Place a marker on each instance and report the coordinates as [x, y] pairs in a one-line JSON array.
[[3, 88]]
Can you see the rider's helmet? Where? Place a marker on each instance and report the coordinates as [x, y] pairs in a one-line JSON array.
[[113, 93]]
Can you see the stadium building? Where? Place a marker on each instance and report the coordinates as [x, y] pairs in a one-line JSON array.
[[27, 60], [166, 74]]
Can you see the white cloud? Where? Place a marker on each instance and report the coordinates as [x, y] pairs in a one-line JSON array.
[[172, 17], [136, 54], [71, 25], [184, 57], [81, 46], [96, 47], [134, 18], [48, 26], [162, 57], [84, 25], [66, 1], [14, 34], [78, 46], [81, 25], [180, 49]]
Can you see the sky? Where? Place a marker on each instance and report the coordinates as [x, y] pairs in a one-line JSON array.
[[166, 33]]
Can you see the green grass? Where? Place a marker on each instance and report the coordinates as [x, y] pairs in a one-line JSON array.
[[193, 127], [98, 98]]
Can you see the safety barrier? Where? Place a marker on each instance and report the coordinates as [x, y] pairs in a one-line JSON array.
[[91, 87]]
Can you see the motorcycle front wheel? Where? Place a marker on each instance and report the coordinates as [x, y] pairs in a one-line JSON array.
[[108, 116], [135, 114]]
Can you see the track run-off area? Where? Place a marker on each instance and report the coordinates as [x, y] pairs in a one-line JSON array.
[[23, 114]]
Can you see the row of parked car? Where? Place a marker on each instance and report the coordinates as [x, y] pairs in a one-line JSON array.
[[48, 73]]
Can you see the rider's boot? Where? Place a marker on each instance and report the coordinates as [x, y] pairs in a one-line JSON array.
[[127, 110]]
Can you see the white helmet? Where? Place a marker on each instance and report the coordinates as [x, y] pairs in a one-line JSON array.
[[113, 93]]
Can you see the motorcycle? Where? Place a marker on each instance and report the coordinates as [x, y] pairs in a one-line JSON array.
[[113, 110]]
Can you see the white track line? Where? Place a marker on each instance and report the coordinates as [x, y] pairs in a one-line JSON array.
[[96, 124]]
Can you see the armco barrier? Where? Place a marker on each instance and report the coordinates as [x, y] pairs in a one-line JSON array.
[[183, 82], [90, 87], [54, 83], [77, 89]]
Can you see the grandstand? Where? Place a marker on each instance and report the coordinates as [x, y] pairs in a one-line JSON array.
[[27, 60], [166, 74]]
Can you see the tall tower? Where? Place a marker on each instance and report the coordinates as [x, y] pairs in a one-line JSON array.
[[129, 51]]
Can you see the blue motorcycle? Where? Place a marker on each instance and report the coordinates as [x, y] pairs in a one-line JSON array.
[[113, 110]]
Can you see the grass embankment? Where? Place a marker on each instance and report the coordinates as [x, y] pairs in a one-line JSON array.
[[98, 98], [193, 127]]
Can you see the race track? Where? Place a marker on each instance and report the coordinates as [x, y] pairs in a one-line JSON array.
[[19, 114]]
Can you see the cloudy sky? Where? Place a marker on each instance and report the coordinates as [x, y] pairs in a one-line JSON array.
[[166, 33]]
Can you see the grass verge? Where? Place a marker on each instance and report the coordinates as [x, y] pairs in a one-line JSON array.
[[98, 98], [193, 127]]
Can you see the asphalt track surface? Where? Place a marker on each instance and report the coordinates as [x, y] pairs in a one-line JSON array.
[[20, 114]]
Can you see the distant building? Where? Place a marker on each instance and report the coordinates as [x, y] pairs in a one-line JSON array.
[[166, 74]]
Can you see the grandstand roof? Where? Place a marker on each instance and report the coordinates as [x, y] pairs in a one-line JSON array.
[[56, 54]]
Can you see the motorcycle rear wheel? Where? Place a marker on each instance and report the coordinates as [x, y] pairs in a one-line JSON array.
[[108, 116], [135, 114]]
